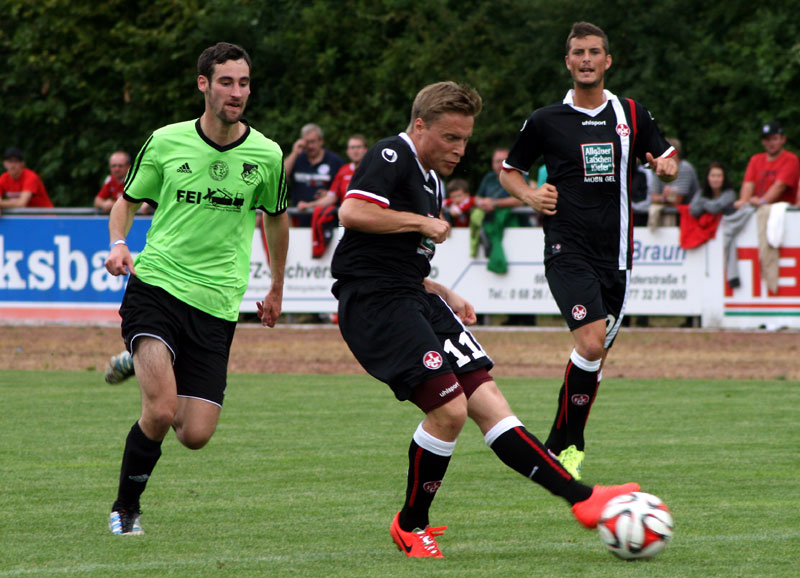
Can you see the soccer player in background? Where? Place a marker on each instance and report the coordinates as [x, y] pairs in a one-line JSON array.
[[409, 331], [590, 142], [207, 177]]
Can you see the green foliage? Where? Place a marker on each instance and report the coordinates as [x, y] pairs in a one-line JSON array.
[[305, 473], [82, 79]]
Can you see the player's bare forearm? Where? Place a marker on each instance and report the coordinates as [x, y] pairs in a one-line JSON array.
[[120, 260], [277, 232], [542, 199], [368, 217], [462, 307]]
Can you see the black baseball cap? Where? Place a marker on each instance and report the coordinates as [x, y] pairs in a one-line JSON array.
[[771, 128], [13, 153]]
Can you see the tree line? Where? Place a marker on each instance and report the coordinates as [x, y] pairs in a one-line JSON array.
[[82, 79]]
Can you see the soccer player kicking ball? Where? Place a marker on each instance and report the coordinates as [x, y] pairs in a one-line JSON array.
[[207, 178], [590, 143], [409, 331]]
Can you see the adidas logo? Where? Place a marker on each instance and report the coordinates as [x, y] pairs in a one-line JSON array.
[[184, 168]]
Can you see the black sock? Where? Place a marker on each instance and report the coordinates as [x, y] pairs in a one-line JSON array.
[[580, 389], [426, 470], [556, 441], [521, 451], [138, 460]]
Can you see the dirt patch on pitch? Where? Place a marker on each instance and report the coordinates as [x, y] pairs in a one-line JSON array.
[[637, 353]]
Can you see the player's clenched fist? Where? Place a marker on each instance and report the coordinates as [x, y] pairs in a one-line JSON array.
[[436, 229]]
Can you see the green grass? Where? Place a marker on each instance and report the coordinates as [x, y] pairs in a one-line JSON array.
[[305, 473]]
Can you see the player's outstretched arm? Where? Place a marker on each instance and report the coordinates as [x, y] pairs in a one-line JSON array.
[[120, 260], [542, 199], [277, 227], [461, 307], [368, 217]]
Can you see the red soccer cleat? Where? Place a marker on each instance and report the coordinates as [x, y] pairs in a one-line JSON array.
[[419, 543], [588, 511]]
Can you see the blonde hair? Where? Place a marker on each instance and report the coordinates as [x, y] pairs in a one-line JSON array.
[[442, 98]]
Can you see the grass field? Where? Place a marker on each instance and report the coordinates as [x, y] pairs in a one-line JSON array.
[[305, 473]]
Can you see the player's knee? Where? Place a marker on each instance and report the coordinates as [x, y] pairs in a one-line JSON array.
[[194, 440], [590, 350], [446, 421]]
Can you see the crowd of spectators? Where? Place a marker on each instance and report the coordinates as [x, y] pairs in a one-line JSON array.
[[318, 179]]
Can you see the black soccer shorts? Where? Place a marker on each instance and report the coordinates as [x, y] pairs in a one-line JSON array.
[[585, 293], [404, 336], [200, 343]]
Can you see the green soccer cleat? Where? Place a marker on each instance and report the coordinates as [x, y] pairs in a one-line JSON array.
[[572, 461]]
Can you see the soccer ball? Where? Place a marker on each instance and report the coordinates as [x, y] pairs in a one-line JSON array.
[[635, 526]]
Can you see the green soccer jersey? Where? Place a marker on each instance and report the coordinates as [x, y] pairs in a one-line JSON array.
[[199, 243]]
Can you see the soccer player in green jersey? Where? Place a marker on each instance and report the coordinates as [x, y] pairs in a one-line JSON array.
[[206, 178]]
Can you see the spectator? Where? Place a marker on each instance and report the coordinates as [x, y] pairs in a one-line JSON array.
[[771, 177], [458, 204], [717, 196], [310, 169], [491, 195], [20, 186], [114, 185], [356, 149], [324, 219], [678, 192]]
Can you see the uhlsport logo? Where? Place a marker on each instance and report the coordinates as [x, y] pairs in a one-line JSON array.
[[389, 155], [578, 312], [431, 487], [432, 360], [580, 399]]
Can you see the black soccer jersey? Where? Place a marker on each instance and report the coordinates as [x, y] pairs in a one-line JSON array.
[[590, 157], [391, 176]]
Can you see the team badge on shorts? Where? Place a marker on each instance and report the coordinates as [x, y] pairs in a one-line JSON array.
[[578, 312], [580, 399], [623, 130], [432, 360]]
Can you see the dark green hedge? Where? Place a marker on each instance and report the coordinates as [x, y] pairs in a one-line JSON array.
[[80, 79]]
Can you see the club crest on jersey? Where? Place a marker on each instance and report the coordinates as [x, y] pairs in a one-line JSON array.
[[578, 312], [250, 174], [580, 399], [218, 170], [431, 487], [389, 155], [432, 360], [623, 130]]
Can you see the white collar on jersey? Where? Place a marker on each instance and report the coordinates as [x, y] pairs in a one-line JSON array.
[[405, 137], [590, 111]]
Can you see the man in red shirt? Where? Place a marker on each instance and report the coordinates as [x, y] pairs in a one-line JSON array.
[[114, 185], [19, 186], [771, 176]]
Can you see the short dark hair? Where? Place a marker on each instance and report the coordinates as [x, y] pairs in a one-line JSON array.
[[457, 185], [217, 54], [444, 97], [584, 29]]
